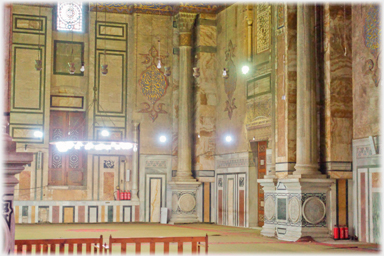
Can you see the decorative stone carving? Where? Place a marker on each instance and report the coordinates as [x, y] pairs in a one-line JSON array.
[[269, 208], [187, 202], [185, 21], [314, 210], [294, 210]]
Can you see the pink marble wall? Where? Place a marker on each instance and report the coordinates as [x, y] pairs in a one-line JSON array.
[[338, 83], [366, 70], [205, 94]]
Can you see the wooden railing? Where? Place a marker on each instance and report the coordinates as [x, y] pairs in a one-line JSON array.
[[48, 246], [196, 243]]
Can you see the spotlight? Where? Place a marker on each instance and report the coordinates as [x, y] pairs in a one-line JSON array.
[[38, 134], [105, 133], [82, 69], [245, 69], [254, 138], [228, 138], [162, 138]]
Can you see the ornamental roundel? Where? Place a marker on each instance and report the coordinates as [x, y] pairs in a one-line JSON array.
[[269, 208], [69, 16], [153, 84], [294, 210], [313, 210]]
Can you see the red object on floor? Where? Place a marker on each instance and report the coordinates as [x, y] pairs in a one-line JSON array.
[[125, 195], [129, 195], [122, 195], [346, 236], [336, 233], [118, 194], [341, 232]]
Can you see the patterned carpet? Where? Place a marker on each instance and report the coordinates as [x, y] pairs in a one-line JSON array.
[[222, 239]]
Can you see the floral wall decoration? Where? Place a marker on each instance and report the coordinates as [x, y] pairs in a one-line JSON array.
[[230, 82], [153, 84]]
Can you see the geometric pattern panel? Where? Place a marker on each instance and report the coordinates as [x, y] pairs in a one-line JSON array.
[[263, 27]]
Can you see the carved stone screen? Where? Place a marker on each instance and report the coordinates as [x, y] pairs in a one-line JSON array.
[[281, 208]]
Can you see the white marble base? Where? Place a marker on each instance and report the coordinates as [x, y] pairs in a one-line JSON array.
[[184, 203]]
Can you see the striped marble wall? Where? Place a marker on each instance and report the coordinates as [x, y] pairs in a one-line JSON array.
[[76, 212]]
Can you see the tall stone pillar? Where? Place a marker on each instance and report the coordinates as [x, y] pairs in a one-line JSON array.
[[183, 185], [13, 164], [302, 207], [135, 163], [306, 137]]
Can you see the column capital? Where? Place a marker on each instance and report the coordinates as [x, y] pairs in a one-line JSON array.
[[185, 21]]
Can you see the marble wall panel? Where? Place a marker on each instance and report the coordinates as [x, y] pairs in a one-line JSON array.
[[25, 185], [366, 71], [206, 35], [109, 187]]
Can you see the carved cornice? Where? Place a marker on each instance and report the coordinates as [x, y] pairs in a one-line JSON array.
[[158, 8], [185, 21]]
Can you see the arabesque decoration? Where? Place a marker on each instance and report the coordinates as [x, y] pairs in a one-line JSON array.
[[153, 84], [230, 82]]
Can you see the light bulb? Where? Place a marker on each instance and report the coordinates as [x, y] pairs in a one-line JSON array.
[[224, 72], [159, 64], [245, 69], [61, 147], [228, 138], [162, 138], [82, 69], [88, 146], [99, 146], [69, 144], [254, 138], [105, 133], [126, 145], [38, 134], [115, 146], [79, 145]]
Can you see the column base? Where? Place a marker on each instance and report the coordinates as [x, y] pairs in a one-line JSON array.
[[184, 202], [268, 230]]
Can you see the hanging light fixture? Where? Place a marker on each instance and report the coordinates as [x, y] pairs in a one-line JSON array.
[[225, 73], [104, 67], [159, 63], [225, 70], [245, 68], [38, 62]]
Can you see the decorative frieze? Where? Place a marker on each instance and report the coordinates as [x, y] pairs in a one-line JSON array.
[[230, 163], [156, 163]]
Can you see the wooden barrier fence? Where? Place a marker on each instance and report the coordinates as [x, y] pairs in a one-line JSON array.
[[196, 243], [48, 246]]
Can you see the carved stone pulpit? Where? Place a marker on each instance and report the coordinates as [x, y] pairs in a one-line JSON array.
[[13, 164]]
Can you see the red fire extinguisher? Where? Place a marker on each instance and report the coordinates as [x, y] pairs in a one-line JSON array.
[[346, 235], [129, 195], [117, 193], [342, 232], [122, 195], [336, 233], [125, 195]]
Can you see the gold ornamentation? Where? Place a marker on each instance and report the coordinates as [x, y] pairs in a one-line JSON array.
[[263, 28], [185, 39], [230, 82], [153, 84]]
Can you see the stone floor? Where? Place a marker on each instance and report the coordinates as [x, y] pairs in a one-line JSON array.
[[222, 239]]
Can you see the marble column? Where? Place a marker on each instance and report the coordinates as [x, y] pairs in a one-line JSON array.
[[306, 147], [13, 164], [183, 185], [135, 163]]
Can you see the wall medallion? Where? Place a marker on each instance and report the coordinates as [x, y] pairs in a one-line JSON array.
[[294, 210], [230, 82], [153, 85], [269, 208], [313, 210]]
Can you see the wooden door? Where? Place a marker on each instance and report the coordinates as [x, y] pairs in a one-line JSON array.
[[261, 164], [66, 168]]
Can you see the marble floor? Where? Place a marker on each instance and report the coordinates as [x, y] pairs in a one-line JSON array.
[[222, 239]]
